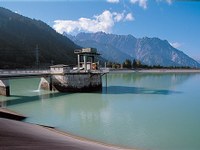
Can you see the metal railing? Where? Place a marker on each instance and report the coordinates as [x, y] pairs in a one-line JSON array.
[[4, 72], [26, 71]]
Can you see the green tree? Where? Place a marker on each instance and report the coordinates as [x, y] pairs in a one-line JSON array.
[[137, 64], [127, 64], [134, 64]]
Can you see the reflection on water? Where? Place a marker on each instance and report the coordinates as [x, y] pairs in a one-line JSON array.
[[151, 80], [16, 99], [25, 90], [139, 110], [136, 90]]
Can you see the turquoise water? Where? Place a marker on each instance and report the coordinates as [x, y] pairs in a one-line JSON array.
[[148, 111]]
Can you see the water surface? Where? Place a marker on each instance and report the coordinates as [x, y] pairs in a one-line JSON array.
[[154, 111]]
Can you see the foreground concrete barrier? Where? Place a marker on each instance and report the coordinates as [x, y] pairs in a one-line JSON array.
[[4, 88]]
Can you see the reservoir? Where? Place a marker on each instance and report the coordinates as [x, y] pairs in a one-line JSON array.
[[148, 111]]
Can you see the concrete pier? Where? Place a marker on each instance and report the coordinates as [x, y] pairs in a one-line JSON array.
[[4, 87], [85, 77], [77, 82], [46, 83]]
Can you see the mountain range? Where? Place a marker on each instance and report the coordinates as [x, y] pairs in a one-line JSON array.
[[118, 48], [19, 37]]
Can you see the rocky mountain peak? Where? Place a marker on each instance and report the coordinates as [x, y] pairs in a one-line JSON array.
[[151, 51]]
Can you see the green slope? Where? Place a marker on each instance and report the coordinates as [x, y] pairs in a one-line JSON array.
[[19, 37]]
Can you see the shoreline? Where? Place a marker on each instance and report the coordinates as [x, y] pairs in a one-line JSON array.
[[154, 71], [15, 134], [117, 147]]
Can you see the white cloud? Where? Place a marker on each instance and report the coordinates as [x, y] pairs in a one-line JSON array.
[[129, 17], [118, 16], [113, 1], [176, 44], [168, 1], [103, 22], [142, 3]]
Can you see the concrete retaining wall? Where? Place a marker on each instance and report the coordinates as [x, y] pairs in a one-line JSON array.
[[46, 83], [77, 82], [4, 87]]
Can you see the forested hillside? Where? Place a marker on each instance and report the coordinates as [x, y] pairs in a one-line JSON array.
[[19, 37]]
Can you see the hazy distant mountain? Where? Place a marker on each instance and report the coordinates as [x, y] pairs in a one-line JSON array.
[[107, 50], [19, 37], [151, 51], [197, 59]]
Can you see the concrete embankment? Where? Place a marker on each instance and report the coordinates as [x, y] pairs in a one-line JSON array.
[[6, 113], [155, 70], [19, 135]]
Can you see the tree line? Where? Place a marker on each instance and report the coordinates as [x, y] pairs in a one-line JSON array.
[[137, 64]]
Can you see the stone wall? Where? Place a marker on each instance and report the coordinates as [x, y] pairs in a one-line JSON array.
[[77, 82]]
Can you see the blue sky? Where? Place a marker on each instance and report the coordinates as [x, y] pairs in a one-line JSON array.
[[175, 21]]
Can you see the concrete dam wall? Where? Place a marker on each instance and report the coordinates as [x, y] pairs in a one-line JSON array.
[[74, 82]]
